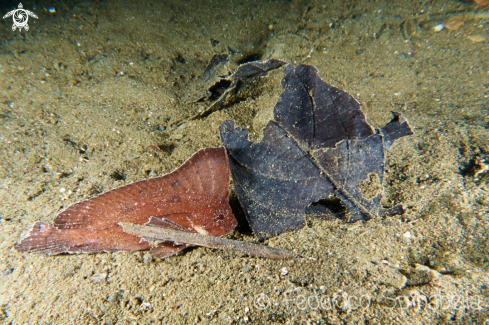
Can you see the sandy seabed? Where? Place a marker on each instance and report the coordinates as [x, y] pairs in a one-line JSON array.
[[92, 84]]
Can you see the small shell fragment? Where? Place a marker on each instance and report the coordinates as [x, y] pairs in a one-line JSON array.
[[477, 38], [99, 277], [284, 271], [482, 3], [438, 28], [453, 23]]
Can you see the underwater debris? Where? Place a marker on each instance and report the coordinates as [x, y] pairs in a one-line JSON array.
[[318, 145], [194, 198]]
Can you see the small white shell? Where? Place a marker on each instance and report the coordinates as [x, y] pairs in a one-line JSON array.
[[438, 28]]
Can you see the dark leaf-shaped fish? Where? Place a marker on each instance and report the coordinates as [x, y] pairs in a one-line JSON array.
[[192, 198], [217, 90], [218, 67], [318, 145]]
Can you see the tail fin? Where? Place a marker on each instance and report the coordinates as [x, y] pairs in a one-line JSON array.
[[43, 238]]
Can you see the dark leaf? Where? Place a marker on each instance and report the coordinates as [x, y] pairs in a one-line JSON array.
[[318, 145]]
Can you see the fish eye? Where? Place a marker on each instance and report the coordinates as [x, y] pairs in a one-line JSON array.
[[220, 215]]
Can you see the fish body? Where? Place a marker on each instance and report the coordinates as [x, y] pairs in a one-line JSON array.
[[194, 198]]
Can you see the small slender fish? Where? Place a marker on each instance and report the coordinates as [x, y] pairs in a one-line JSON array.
[[160, 234]]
